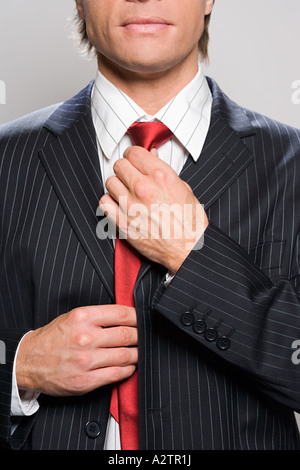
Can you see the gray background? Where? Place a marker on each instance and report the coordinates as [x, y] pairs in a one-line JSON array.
[[254, 55]]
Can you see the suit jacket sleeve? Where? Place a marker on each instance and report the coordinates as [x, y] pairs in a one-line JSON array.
[[11, 340], [224, 301]]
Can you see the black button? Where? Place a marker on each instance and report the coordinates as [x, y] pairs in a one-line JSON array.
[[187, 319], [223, 343], [211, 334], [199, 326], [92, 429]]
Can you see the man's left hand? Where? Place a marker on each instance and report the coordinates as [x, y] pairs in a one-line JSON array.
[[153, 208]]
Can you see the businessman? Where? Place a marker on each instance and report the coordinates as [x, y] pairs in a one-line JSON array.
[[149, 342]]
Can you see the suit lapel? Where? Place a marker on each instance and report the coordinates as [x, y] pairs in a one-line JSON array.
[[72, 163], [224, 156], [223, 159]]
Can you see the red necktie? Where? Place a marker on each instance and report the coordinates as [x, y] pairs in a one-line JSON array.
[[124, 401]]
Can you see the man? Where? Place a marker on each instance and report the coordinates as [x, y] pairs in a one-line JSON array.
[[209, 336]]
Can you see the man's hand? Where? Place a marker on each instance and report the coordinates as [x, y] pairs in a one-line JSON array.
[[153, 208], [79, 351]]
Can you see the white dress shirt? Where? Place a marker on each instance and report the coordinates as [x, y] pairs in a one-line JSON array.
[[187, 115]]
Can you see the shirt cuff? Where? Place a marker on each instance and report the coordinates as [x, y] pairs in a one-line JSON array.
[[168, 279], [23, 402]]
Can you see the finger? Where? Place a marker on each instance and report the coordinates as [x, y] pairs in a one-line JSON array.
[[102, 315], [108, 375], [113, 209], [154, 152], [144, 161], [116, 188], [117, 336], [127, 172], [116, 213], [113, 315], [140, 159], [111, 357], [109, 207]]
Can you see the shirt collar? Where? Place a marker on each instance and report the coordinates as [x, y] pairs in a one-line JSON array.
[[187, 115]]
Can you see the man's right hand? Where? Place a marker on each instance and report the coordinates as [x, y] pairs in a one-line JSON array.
[[79, 351]]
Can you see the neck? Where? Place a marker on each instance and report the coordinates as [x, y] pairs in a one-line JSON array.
[[151, 90]]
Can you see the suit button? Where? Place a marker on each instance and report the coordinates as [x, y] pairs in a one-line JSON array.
[[211, 334], [223, 343], [92, 429], [199, 326], [187, 319]]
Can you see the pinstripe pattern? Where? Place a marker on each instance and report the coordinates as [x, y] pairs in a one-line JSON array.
[[244, 283]]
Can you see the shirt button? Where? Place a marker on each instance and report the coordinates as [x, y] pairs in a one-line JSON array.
[[92, 429], [187, 319], [223, 343], [211, 334]]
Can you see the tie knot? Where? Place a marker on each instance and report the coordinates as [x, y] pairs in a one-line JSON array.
[[149, 134]]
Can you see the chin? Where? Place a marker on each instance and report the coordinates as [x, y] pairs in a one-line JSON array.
[[140, 64], [149, 64]]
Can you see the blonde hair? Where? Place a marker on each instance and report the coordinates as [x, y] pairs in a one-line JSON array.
[[204, 40]]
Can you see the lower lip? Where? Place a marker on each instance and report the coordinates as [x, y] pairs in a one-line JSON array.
[[146, 28]]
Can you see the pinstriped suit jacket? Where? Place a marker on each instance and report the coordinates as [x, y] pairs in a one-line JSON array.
[[215, 346]]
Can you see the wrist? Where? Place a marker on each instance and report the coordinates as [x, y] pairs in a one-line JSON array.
[[23, 366], [181, 250]]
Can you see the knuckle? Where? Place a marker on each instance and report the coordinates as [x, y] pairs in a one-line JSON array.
[[82, 339], [123, 314], [123, 357], [140, 189], [116, 374], [78, 385], [108, 183], [79, 315], [134, 152], [160, 175], [105, 200], [119, 164], [124, 336], [82, 361]]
